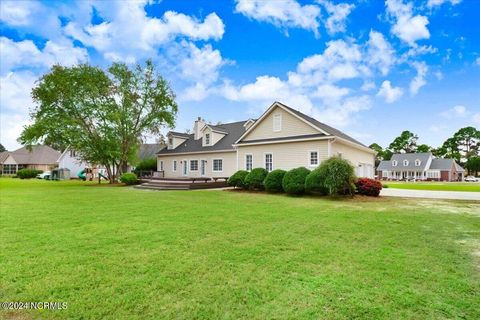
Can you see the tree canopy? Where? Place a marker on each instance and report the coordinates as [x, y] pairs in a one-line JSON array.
[[405, 143], [2, 148], [103, 115]]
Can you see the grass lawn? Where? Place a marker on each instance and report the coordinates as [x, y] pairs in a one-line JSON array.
[[122, 253], [437, 186]]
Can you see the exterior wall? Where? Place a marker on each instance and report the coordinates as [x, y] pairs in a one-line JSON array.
[[75, 165], [43, 167], [285, 155], [363, 161], [229, 164], [177, 141], [291, 126], [445, 175]]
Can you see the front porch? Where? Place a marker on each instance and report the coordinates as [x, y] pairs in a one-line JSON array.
[[405, 175]]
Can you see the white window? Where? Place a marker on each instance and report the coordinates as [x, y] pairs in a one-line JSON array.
[[193, 165], [313, 158], [161, 165], [268, 162], [394, 163], [418, 162], [405, 163], [174, 165], [248, 162], [217, 165], [277, 122], [207, 139]]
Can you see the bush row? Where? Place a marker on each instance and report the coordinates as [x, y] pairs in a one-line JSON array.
[[335, 176], [28, 173]]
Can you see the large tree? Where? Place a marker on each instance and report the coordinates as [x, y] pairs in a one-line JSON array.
[[464, 144], [103, 115], [405, 143], [380, 153], [473, 165], [2, 148], [424, 148]]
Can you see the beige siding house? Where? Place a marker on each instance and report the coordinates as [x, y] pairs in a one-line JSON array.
[[282, 138]]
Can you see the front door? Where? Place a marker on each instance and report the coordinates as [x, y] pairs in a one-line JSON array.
[[203, 164], [185, 163]]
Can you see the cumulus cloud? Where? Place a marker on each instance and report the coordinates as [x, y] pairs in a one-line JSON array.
[[389, 93], [380, 52], [458, 111], [420, 79], [436, 3], [338, 14], [283, 14], [406, 26]]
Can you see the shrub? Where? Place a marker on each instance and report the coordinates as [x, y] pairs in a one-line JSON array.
[[254, 179], [294, 180], [146, 165], [339, 176], [273, 181], [237, 180], [129, 178], [368, 187], [28, 173], [315, 182]]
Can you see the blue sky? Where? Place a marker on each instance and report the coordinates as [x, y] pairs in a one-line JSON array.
[[370, 68]]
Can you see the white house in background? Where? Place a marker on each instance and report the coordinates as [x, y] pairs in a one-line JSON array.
[[70, 160], [282, 138]]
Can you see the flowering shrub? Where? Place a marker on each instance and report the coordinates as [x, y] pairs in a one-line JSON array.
[[368, 187]]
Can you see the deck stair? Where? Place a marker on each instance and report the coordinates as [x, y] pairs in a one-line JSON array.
[[182, 183]]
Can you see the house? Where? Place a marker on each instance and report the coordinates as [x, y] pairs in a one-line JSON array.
[[40, 157], [282, 138], [420, 166]]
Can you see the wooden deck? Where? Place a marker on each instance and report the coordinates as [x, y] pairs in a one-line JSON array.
[[183, 183]]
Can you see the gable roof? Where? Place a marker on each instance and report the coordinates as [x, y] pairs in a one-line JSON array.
[[4, 155], [411, 157], [233, 131], [40, 154], [323, 128], [179, 134], [218, 128], [445, 164], [149, 150]]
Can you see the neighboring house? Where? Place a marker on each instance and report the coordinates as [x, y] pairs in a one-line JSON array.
[[69, 159], [40, 157], [420, 166], [282, 138], [149, 150]]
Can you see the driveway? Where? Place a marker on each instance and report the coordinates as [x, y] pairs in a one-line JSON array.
[[453, 195]]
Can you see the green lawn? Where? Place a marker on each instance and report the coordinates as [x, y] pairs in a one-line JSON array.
[[122, 253], [438, 186]]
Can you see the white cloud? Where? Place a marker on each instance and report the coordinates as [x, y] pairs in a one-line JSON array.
[[419, 80], [457, 111], [380, 53], [16, 13], [368, 85], [119, 39], [338, 13], [26, 54], [435, 3], [283, 14], [330, 93], [389, 93], [343, 113], [407, 27]]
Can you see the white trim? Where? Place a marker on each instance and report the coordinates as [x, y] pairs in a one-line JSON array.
[[309, 162], [277, 122], [248, 154], [200, 167], [245, 144], [267, 112], [265, 160], [195, 152], [215, 130], [185, 167], [213, 160]]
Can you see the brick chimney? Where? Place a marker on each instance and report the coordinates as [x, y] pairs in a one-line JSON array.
[[199, 124]]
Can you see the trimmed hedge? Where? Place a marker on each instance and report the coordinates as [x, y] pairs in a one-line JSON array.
[[254, 179], [28, 173], [294, 180], [315, 182], [368, 187], [339, 176], [273, 181], [237, 180], [129, 178]]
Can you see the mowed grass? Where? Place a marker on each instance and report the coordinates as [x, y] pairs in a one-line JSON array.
[[122, 253], [437, 186]]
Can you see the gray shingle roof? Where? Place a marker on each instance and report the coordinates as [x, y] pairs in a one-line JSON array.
[[218, 128], [330, 130], [180, 134], [286, 138], [445, 164], [411, 157], [4, 156], [149, 150], [39, 154], [234, 131]]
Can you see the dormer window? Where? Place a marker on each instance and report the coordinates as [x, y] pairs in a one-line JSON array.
[[277, 122], [418, 163], [394, 163], [170, 141], [405, 163], [207, 139]]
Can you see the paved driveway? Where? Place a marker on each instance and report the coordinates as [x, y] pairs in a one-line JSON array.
[[453, 195]]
